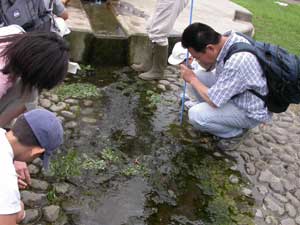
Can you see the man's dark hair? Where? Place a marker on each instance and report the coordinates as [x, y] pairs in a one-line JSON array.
[[23, 132], [198, 36], [40, 59]]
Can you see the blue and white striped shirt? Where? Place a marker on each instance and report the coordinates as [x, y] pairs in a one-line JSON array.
[[241, 73]]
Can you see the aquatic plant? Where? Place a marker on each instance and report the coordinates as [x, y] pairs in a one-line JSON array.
[[52, 197], [76, 90], [66, 166], [153, 98], [135, 170], [110, 155], [93, 164]]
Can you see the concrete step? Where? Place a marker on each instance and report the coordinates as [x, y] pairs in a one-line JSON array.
[[126, 19]]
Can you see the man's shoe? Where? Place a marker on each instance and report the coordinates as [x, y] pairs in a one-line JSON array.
[[231, 144]]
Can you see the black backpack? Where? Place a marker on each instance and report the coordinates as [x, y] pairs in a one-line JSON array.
[[282, 71], [32, 15]]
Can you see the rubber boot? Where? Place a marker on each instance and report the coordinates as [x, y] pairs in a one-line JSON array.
[[143, 67], [160, 57], [146, 64]]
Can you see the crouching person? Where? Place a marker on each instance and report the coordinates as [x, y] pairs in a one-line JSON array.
[[227, 108], [36, 133]]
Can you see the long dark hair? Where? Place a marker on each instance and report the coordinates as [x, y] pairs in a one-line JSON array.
[[40, 59]]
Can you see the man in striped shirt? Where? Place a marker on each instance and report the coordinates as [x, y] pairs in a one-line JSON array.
[[227, 108]]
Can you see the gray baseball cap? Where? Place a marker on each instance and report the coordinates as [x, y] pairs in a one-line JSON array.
[[47, 129]]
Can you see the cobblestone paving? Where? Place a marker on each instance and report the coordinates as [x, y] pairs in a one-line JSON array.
[[269, 158]]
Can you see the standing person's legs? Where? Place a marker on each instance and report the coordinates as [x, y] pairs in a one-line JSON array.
[[226, 122]]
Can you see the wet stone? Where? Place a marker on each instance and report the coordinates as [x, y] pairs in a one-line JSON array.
[[58, 107], [280, 197], [261, 165], [264, 151], [218, 154], [61, 188], [61, 119], [38, 162], [288, 221], [174, 87], [245, 156], [277, 170], [89, 120], [252, 152], [247, 192], [287, 119], [273, 205], [87, 103], [31, 216], [259, 213], [271, 220], [45, 103], [297, 219], [293, 199], [297, 194], [233, 179], [70, 125], [172, 79], [162, 87], [87, 111], [39, 184], [75, 108], [290, 210], [267, 176], [283, 124], [260, 140], [51, 213], [164, 82], [33, 199], [268, 138], [288, 185], [286, 158], [54, 98], [277, 186], [33, 169], [262, 189], [250, 168], [68, 115], [72, 101], [249, 143]]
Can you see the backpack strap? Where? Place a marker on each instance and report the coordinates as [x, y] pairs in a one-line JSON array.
[[244, 47]]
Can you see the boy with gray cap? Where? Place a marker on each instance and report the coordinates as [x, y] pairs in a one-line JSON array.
[[36, 133]]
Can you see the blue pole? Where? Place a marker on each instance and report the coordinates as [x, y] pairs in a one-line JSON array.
[[186, 62]]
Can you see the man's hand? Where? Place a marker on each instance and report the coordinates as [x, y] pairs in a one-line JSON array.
[[23, 174], [187, 74]]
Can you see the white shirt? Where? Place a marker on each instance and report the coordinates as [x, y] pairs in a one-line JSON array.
[[9, 191]]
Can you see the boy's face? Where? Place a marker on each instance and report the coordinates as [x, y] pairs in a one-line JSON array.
[[30, 154]]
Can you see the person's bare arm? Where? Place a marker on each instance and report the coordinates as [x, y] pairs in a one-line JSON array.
[[189, 76], [10, 113], [23, 174], [8, 219], [64, 15]]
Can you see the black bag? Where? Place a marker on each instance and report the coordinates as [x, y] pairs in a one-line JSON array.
[[282, 71], [32, 15]]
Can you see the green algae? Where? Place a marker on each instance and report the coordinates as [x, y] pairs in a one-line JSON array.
[[77, 90]]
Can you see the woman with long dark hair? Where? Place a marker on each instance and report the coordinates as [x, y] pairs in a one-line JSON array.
[[29, 63]]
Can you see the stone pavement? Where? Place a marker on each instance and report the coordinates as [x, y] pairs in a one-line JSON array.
[[269, 158]]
